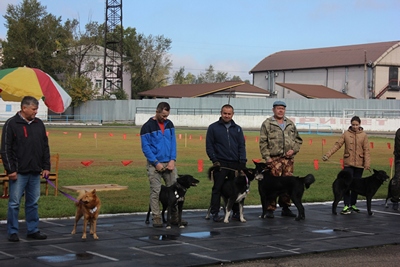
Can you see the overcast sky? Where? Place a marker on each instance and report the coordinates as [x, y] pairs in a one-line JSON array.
[[234, 35]]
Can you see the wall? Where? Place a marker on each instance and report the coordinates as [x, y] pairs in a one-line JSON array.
[[9, 109]]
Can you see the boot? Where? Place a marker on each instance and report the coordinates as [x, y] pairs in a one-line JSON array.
[[157, 222]]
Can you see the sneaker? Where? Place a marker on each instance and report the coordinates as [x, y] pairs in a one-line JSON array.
[[157, 223], [217, 218], [270, 214], [38, 235], [236, 217], [288, 213], [346, 210], [395, 205], [354, 208], [13, 238]]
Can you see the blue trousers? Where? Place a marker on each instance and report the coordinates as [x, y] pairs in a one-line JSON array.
[[30, 185]]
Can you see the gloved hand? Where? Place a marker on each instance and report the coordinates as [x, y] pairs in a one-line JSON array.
[[325, 158], [216, 165]]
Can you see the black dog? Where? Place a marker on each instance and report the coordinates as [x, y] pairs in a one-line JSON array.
[[174, 195], [234, 190], [393, 191], [270, 187], [366, 186]]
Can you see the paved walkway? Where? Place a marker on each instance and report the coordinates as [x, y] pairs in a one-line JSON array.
[[125, 240]]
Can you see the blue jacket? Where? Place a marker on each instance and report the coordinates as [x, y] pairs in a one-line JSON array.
[[226, 145], [157, 146], [25, 146]]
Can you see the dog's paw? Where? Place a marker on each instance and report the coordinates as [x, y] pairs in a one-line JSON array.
[[370, 213], [73, 232], [84, 237], [95, 236], [181, 226], [226, 221], [168, 227]]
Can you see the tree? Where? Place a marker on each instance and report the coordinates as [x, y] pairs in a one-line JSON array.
[[211, 77], [180, 77], [32, 37], [147, 60], [80, 88]]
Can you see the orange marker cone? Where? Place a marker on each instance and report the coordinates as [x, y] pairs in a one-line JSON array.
[[310, 142], [371, 144], [316, 164], [256, 139], [79, 135], [323, 142], [111, 134], [47, 133], [388, 145], [87, 162], [200, 165], [341, 164], [390, 162], [190, 137], [126, 162], [124, 136], [180, 136], [201, 137]]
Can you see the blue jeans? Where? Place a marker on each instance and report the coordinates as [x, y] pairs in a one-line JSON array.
[[30, 184]]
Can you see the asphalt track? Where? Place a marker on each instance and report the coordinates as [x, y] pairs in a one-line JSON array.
[[322, 239]]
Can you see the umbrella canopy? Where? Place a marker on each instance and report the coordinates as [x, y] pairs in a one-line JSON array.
[[15, 83]]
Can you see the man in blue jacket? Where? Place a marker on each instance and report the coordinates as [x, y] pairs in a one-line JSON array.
[[159, 147], [25, 153], [225, 146]]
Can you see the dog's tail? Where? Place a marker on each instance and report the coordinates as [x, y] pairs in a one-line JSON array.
[[308, 180], [345, 177]]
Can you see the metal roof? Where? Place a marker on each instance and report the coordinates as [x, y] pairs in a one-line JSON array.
[[324, 57], [314, 91], [203, 89]]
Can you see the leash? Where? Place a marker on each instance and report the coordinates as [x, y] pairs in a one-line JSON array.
[[62, 192]]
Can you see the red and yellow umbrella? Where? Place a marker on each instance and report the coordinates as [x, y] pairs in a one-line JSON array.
[[15, 83]]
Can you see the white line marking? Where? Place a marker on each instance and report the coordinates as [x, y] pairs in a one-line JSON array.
[[280, 250], [64, 249], [208, 257], [58, 224], [8, 255], [102, 256], [148, 252]]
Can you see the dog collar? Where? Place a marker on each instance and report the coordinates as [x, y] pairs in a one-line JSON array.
[[93, 210]]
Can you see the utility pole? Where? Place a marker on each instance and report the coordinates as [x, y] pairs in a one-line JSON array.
[[113, 48]]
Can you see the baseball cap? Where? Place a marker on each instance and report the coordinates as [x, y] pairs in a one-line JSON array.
[[279, 103]]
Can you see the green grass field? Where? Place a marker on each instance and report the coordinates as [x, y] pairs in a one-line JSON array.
[[108, 146]]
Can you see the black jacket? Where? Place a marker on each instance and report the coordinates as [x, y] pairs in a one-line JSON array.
[[225, 145], [24, 146]]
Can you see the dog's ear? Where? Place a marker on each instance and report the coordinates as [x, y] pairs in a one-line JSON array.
[[94, 191]]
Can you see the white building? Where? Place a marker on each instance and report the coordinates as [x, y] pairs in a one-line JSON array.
[[361, 71]]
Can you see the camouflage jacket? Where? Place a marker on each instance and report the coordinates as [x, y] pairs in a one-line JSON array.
[[275, 142]]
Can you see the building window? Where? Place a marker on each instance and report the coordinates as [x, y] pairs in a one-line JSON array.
[[8, 108], [99, 84]]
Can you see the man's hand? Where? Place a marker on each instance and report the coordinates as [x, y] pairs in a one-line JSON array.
[[216, 165], [325, 158]]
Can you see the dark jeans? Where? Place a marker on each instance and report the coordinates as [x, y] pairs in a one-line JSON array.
[[219, 179], [350, 197]]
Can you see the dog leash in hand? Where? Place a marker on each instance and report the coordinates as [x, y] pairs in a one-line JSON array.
[[62, 192]]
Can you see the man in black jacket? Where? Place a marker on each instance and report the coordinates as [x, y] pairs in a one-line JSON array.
[[25, 153], [225, 146]]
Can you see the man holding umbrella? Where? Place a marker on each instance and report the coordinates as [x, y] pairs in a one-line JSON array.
[[25, 153]]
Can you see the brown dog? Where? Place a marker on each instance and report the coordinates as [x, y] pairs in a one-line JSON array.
[[88, 206]]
